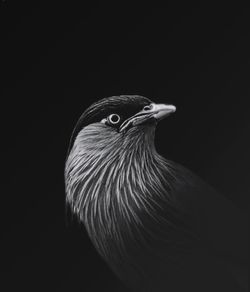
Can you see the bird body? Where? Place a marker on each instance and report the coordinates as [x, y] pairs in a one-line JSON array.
[[158, 226]]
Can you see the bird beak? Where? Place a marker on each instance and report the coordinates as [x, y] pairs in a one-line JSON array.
[[161, 111], [156, 111]]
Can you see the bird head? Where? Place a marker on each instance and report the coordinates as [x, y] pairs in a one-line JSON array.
[[119, 116]]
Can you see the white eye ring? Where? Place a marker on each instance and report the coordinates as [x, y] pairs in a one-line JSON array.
[[113, 119]]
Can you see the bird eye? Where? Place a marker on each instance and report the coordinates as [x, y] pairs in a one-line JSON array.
[[147, 107], [114, 119]]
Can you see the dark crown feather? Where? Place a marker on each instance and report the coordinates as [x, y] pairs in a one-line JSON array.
[[125, 105]]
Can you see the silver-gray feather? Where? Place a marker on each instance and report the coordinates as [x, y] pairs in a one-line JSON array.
[[118, 185]]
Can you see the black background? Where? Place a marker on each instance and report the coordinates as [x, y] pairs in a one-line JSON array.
[[59, 57]]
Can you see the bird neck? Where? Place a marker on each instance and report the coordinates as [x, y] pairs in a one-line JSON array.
[[119, 187]]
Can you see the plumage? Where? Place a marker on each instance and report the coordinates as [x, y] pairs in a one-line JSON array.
[[158, 226]]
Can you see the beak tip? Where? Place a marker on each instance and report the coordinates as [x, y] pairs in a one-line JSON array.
[[171, 108]]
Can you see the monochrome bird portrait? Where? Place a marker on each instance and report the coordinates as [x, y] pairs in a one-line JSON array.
[[156, 224]]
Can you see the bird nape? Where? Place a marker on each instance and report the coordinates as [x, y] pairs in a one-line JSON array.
[[157, 225]]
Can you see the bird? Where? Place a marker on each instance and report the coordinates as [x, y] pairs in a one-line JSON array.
[[157, 224]]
